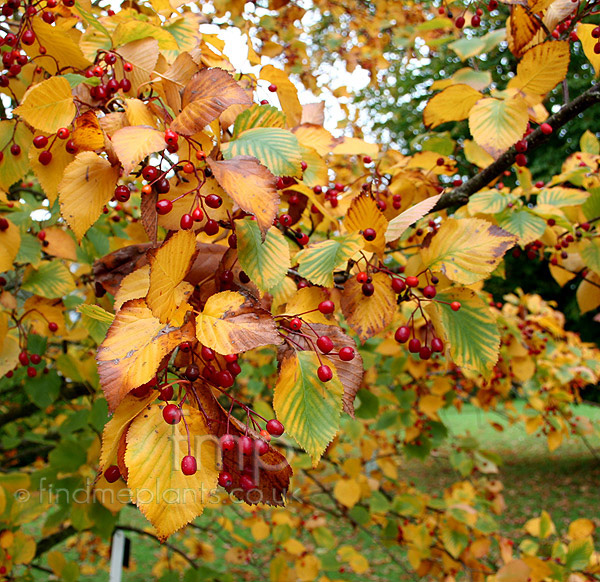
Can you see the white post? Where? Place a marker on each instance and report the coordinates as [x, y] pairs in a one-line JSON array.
[[116, 556]]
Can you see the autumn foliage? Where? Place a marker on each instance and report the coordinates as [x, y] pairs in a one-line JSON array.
[[199, 278]]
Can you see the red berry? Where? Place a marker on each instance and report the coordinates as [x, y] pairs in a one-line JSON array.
[[150, 173], [368, 289], [192, 372], [325, 344], [521, 160], [546, 128], [326, 307], [455, 306], [172, 414], [231, 357], [125, 84], [459, 22], [457, 182], [414, 345], [324, 373], [437, 345], [211, 227], [45, 158], [285, 220], [197, 214], [551, 222], [164, 206], [475, 21], [317, 189], [63, 133], [15, 149], [28, 37], [185, 347], [112, 474], [41, 235], [234, 368], [303, 239], [225, 379], [367, 160], [189, 466], [213, 201], [186, 222], [272, 88], [539, 184], [40, 141], [412, 281], [425, 353], [36, 359], [127, 67], [346, 354], [264, 102], [225, 479], [261, 446], [122, 193], [295, 323], [4, 224], [402, 334], [274, 427], [246, 483], [207, 354], [162, 186], [398, 285], [70, 147], [31, 372], [369, 234], [171, 137], [23, 358], [429, 291], [227, 442], [521, 146], [362, 277], [53, 326], [246, 445], [166, 394]]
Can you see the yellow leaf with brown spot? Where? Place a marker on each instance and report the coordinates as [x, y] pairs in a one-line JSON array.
[[48, 106], [542, 68], [168, 498], [287, 93], [467, 250], [522, 27], [367, 316], [10, 241], [132, 144], [347, 492], [169, 265], [134, 348], [133, 286], [231, 323], [364, 213], [452, 104], [497, 124], [50, 175], [87, 133], [250, 185], [87, 186], [206, 96]]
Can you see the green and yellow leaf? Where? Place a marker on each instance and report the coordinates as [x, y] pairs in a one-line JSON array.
[[452, 104]]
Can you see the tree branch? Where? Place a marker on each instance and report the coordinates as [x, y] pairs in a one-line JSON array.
[[50, 541], [459, 196]]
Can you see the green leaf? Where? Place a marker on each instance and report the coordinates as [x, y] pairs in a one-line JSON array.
[[30, 251], [75, 80], [578, 554], [96, 313], [68, 456], [488, 201], [454, 541], [471, 332], [265, 263], [278, 149], [318, 262], [591, 255], [591, 208], [93, 21], [308, 408], [523, 223], [44, 389], [369, 404], [560, 196], [258, 116], [51, 280]]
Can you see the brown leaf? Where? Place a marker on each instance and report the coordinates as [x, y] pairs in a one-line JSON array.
[[149, 214], [110, 269], [350, 373], [522, 28], [205, 97], [271, 472]]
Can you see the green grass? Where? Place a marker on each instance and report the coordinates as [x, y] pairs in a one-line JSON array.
[[563, 482]]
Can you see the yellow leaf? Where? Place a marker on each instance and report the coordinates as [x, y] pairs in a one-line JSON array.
[[9, 354], [250, 185], [40, 311], [451, 104], [48, 105], [514, 571], [316, 137], [540, 527], [138, 113], [260, 530], [555, 438], [10, 241], [430, 404], [353, 146], [133, 349], [307, 568], [143, 55], [23, 550], [581, 528], [206, 96], [133, 144], [347, 492], [522, 28], [13, 168], [87, 186], [542, 68], [475, 154], [287, 93], [87, 133], [400, 223], [168, 498], [168, 266], [367, 316], [467, 250], [584, 33], [363, 213], [60, 244], [133, 286], [231, 323], [306, 300], [294, 547], [497, 124], [359, 563], [50, 175], [588, 292]]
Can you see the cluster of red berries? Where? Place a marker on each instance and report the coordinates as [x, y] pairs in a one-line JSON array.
[[104, 69], [330, 194], [460, 21], [42, 142]]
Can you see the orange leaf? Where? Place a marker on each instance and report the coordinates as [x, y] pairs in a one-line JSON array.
[[205, 97], [363, 213]]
